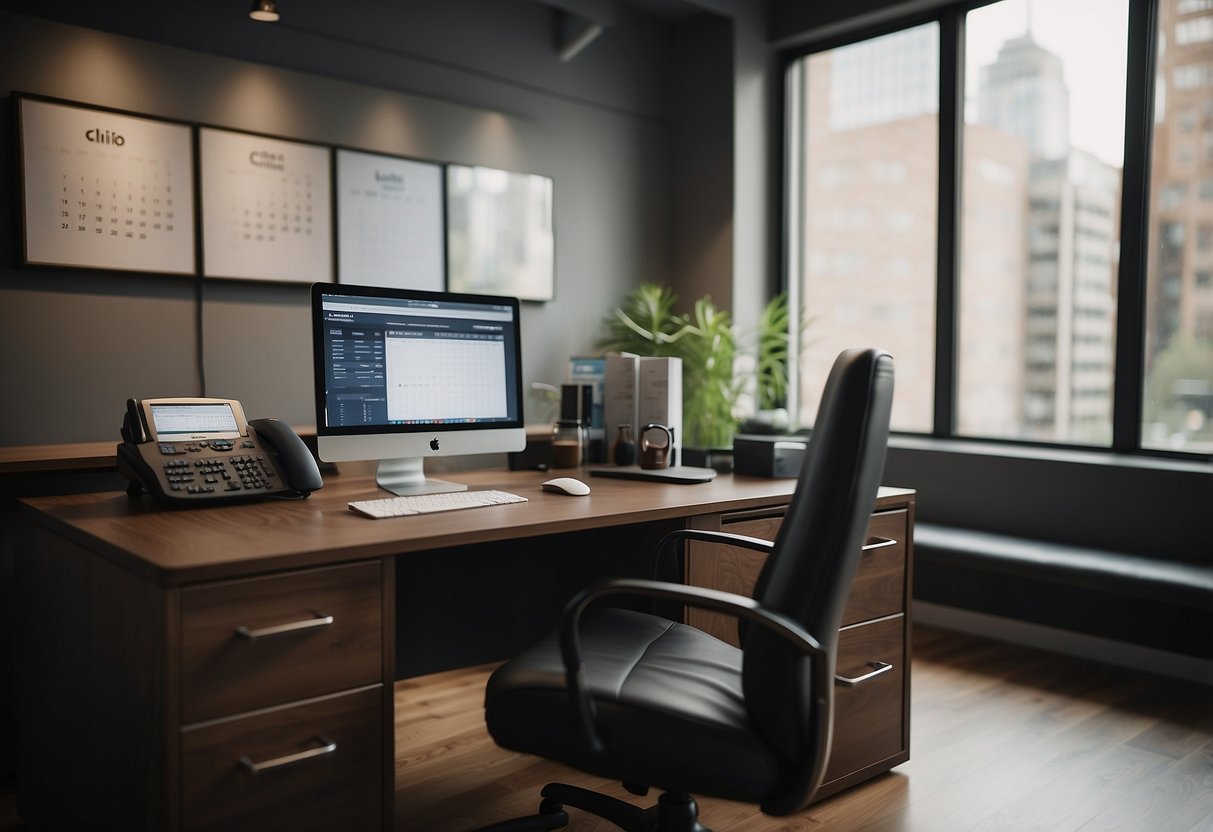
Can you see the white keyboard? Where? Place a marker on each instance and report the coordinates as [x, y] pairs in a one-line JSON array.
[[429, 503]]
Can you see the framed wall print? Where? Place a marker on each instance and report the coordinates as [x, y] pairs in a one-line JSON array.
[[500, 239], [266, 207], [104, 189], [389, 221]]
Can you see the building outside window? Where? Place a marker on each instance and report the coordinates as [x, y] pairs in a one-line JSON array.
[[1177, 399], [870, 131]]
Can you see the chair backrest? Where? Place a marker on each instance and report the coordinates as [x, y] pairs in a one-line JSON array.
[[809, 572]]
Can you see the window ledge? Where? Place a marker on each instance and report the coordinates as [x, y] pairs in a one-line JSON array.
[[1094, 457]]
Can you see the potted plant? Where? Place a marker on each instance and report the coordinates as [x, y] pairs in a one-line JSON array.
[[706, 341], [646, 324]]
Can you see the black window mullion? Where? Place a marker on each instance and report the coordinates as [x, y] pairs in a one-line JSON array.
[[1134, 224], [947, 259]]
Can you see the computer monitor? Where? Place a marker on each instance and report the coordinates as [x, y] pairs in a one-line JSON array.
[[403, 374]]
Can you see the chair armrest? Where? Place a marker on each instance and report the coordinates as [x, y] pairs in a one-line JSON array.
[[712, 599], [670, 543]]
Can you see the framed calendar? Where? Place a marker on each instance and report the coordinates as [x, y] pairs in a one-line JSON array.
[[266, 207], [104, 189], [499, 232], [389, 221]]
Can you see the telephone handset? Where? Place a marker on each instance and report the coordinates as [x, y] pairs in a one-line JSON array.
[[202, 452]]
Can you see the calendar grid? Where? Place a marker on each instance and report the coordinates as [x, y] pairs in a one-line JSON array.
[[103, 189], [389, 221], [266, 207]]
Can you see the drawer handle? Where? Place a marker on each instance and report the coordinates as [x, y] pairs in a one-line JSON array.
[[321, 620], [328, 747], [850, 682], [877, 543]]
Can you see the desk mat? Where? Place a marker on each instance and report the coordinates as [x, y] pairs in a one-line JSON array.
[[683, 474]]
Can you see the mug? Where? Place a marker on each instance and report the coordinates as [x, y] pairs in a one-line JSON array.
[[656, 453]]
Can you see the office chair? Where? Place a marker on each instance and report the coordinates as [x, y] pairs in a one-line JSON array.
[[653, 703]]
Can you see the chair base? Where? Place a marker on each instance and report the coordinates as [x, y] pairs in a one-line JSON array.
[[674, 812]]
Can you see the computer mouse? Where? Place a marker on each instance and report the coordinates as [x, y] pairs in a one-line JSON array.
[[567, 485]]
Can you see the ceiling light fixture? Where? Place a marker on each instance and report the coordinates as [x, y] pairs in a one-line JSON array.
[[264, 10]]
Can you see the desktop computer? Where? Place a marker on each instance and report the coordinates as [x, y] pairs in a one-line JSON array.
[[405, 374]]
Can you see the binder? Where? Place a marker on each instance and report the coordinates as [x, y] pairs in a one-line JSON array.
[[619, 391], [659, 400]]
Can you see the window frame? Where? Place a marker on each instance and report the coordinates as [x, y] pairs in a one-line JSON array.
[[1129, 355]]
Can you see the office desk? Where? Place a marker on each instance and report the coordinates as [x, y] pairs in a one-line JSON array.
[[232, 667]]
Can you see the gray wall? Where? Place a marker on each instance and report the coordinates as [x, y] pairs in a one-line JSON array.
[[703, 131], [727, 140], [463, 81]]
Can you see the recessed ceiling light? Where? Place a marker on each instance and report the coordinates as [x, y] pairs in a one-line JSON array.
[[264, 10]]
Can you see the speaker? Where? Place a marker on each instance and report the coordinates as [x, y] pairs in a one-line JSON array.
[[768, 456], [577, 402]]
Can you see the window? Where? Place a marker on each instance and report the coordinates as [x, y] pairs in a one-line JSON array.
[[1177, 395], [1043, 103], [1192, 76], [1024, 101], [1194, 31], [868, 115], [1009, 235], [1173, 195]]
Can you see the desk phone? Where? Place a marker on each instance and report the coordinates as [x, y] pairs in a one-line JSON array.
[[202, 451]]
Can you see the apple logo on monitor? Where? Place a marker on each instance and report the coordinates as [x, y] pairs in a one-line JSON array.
[[434, 444]]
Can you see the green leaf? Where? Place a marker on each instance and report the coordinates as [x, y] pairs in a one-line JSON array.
[[772, 360]]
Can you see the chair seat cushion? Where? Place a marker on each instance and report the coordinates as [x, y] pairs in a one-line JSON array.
[[669, 705]]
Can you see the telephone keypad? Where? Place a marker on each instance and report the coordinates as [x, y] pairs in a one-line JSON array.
[[254, 471], [239, 472]]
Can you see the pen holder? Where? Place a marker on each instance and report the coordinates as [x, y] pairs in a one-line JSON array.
[[655, 444]]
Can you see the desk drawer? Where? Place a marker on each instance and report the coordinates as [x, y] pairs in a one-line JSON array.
[[880, 584], [260, 642], [322, 759], [868, 718], [878, 589]]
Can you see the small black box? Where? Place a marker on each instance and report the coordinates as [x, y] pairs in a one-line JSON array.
[[577, 402], [768, 456]]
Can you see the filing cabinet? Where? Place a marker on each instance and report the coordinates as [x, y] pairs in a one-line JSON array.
[[282, 701], [256, 702], [872, 716]]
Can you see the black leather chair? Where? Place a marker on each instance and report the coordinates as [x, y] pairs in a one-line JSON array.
[[654, 703]]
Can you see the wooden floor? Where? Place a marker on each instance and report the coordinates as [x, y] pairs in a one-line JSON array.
[[1002, 737]]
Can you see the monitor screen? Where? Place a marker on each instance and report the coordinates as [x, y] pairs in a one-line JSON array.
[[403, 374]]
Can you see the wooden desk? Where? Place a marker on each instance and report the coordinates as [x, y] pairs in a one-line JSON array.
[[139, 698]]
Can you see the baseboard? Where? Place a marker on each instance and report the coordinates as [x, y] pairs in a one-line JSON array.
[[1069, 643]]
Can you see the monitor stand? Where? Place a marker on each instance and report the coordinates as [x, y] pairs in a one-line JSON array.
[[406, 477]]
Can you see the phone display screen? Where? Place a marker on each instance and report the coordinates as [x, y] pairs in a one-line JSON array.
[[184, 421]]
